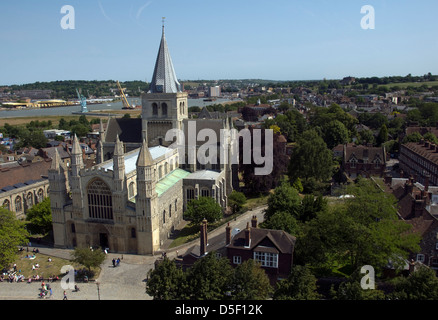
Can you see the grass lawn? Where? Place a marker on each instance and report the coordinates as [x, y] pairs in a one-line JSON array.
[[46, 268]]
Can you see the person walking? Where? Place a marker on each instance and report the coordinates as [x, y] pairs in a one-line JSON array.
[[65, 296]]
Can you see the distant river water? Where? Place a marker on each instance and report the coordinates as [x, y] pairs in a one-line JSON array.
[[106, 106]]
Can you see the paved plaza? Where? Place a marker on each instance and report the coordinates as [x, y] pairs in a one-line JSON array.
[[125, 282]]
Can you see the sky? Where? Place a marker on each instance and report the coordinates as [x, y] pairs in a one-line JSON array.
[[208, 40]]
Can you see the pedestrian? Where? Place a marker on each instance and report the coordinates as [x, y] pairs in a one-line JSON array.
[[114, 262], [65, 296]]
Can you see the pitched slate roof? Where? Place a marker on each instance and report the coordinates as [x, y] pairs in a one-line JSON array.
[[265, 238], [25, 173], [128, 130]]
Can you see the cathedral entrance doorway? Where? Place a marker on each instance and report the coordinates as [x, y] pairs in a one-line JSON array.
[[103, 237]]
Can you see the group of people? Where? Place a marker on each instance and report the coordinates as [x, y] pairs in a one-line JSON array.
[[116, 262]]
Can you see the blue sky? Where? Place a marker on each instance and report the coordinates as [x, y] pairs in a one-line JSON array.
[[240, 39]]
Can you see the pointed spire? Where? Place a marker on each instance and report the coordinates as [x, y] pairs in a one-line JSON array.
[[164, 79], [55, 161], [118, 148], [145, 157], [76, 148]]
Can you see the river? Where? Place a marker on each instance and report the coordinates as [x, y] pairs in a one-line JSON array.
[[107, 106]]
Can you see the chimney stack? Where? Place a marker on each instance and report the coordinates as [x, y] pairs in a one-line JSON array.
[[228, 234], [254, 222], [247, 235], [203, 249]]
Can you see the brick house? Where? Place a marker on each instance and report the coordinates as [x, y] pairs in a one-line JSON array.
[[272, 248], [362, 160]]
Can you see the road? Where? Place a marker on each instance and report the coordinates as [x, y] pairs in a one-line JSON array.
[[125, 282]]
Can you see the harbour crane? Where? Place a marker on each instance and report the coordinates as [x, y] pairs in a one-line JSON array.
[[125, 102]]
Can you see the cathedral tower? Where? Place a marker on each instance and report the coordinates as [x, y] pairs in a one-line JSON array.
[[165, 105], [146, 203], [58, 180]]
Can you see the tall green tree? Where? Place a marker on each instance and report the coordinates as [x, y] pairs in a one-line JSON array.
[[236, 200], [284, 199], [12, 235], [335, 133], [311, 159], [167, 281], [203, 208], [210, 278], [300, 285], [250, 282], [40, 217]]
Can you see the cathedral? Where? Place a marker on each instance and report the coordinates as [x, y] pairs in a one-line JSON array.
[[136, 194]]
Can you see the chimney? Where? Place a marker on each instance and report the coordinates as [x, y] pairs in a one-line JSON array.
[[228, 234], [203, 249], [254, 222], [247, 235]]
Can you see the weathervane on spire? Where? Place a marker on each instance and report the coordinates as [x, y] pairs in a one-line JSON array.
[[163, 18]]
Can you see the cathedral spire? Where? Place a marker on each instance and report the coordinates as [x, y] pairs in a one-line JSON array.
[[145, 157], [118, 148], [164, 79], [76, 148]]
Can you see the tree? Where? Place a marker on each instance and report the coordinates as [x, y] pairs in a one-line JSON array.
[[429, 136], [311, 159], [90, 258], [236, 200], [203, 208], [352, 290], [250, 282], [12, 235], [300, 285], [281, 220], [422, 284], [284, 199], [413, 137], [40, 217], [210, 278], [167, 281], [310, 206], [363, 230], [383, 135], [35, 139], [335, 133]]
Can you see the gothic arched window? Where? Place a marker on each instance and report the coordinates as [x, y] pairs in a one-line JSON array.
[[18, 204], [40, 195], [29, 200], [100, 202]]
